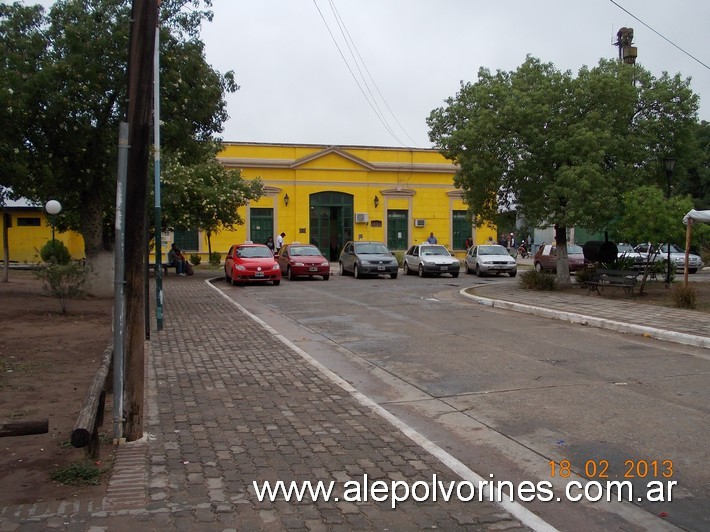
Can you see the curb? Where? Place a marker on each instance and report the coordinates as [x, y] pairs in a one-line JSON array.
[[601, 323]]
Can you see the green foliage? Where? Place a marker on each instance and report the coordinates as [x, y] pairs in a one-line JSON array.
[[56, 252], [63, 83], [63, 281], [584, 275], [399, 255], [77, 474], [684, 296], [534, 280], [195, 259], [215, 258]]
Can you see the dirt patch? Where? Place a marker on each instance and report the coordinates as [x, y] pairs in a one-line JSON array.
[[47, 361]]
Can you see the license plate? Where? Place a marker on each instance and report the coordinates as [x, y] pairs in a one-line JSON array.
[[381, 268], [444, 267], [312, 269], [259, 274]]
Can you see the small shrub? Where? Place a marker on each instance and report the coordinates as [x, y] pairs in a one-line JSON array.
[[534, 280], [63, 281], [54, 251], [399, 255], [215, 259], [584, 275], [195, 258], [77, 474], [684, 296]]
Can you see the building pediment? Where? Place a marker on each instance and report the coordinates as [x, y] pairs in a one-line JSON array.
[[332, 157]]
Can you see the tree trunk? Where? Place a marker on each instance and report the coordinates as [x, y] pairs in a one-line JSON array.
[[98, 258], [563, 278]]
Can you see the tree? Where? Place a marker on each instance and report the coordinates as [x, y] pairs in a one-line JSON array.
[[64, 85], [558, 148], [205, 195]]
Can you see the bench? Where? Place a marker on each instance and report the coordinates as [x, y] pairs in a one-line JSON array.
[[600, 278]]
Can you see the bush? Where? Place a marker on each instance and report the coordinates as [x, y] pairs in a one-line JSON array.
[[195, 258], [54, 251], [77, 474], [684, 296], [534, 280], [583, 276], [215, 259], [63, 281]]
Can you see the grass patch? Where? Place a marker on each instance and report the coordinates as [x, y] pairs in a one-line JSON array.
[[534, 280], [78, 474]]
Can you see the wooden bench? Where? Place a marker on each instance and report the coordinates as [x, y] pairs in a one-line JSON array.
[[625, 279]]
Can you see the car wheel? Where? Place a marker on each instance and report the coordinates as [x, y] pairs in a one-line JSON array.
[[513, 274], [538, 267], [455, 275], [289, 273], [466, 268], [692, 270], [326, 277], [226, 277], [393, 275], [356, 272], [478, 271], [421, 271], [342, 269], [406, 269], [232, 281], [277, 282]]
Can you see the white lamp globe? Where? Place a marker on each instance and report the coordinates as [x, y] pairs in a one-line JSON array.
[[53, 207]]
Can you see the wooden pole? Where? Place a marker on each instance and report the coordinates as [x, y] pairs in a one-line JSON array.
[[23, 428], [688, 232]]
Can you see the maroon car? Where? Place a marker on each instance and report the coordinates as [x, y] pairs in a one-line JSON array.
[[546, 258], [300, 260]]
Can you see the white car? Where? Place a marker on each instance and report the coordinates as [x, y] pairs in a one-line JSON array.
[[659, 253], [627, 252], [430, 259], [490, 259]]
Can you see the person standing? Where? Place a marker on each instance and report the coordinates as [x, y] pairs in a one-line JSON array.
[[270, 243], [469, 242], [280, 242], [432, 239]]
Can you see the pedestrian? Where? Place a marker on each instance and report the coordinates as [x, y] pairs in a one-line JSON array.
[[270, 243], [432, 239], [490, 241], [280, 242], [177, 260], [468, 242]]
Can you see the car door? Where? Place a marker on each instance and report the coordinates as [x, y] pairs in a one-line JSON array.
[[347, 257], [414, 259]]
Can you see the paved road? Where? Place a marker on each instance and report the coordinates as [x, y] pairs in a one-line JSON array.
[[506, 392]]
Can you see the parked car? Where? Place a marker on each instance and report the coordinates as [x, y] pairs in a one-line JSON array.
[[298, 260], [546, 258], [659, 253], [367, 258], [490, 259], [626, 251], [249, 262], [430, 259]]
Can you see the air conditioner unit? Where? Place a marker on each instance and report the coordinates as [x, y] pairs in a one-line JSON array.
[[361, 217], [419, 222]]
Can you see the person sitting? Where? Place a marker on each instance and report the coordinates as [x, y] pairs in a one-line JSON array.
[[177, 259]]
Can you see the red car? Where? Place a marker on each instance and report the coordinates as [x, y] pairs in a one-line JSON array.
[[303, 260], [248, 262], [546, 258]]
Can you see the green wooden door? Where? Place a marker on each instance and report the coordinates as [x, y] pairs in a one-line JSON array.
[[331, 222], [397, 230], [261, 224]]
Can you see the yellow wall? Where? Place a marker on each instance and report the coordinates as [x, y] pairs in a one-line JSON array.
[[24, 242]]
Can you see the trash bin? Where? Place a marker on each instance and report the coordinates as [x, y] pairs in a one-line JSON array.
[[600, 251]]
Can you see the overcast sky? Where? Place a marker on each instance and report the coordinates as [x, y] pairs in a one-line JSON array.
[[296, 87]]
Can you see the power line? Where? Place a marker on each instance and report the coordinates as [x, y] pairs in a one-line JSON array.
[[660, 35]]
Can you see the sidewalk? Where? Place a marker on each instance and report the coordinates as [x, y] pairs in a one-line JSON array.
[[229, 403]]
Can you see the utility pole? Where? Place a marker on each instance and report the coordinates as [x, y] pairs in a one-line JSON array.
[[144, 19]]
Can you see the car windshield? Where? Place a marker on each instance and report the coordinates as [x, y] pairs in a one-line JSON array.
[[492, 250], [573, 249], [674, 248], [433, 250], [304, 251], [254, 252], [624, 248], [371, 248]]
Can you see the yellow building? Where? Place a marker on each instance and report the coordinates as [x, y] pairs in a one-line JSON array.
[[327, 195]]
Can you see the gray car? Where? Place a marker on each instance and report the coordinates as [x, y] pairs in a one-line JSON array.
[[367, 258], [490, 259], [430, 259]]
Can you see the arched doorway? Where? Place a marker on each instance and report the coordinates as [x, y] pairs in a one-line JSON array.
[[331, 221]]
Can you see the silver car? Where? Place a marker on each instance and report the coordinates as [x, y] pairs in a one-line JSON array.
[[367, 258], [660, 254], [490, 259], [430, 259]]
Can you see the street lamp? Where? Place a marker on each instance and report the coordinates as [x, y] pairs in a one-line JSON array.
[[669, 163], [52, 207]]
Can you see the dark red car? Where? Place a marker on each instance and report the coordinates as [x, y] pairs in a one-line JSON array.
[[546, 258], [249, 262], [298, 260]]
